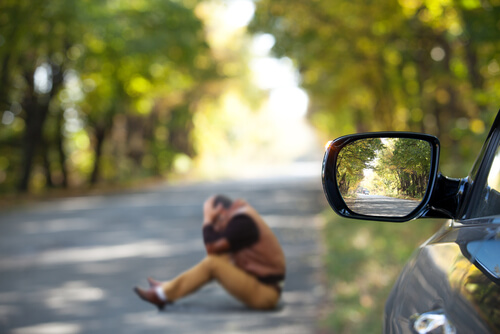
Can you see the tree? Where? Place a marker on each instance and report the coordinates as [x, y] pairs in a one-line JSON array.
[[32, 71], [405, 167], [408, 65], [352, 160], [74, 72], [157, 59]]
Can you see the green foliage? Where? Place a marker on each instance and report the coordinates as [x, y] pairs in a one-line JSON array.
[[84, 83], [428, 65], [352, 160], [405, 166], [363, 260], [401, 167]]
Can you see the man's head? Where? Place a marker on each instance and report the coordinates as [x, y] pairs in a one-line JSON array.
[[216, 209], [225, 201]]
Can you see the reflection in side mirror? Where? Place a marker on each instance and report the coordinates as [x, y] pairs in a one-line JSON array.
[[384, 176]]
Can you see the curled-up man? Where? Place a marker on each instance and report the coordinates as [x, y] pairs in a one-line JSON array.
[[243, 255]]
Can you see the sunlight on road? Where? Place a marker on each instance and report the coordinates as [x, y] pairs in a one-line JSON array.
[[49, 328], [72, 297], [145, 249]]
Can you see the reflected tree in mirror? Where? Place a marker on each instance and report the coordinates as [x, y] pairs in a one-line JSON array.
[[353, 160], [384, 176]]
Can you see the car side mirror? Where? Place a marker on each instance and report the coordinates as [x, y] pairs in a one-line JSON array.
[[380, 176]]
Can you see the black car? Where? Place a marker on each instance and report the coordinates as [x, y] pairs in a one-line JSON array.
[[452, 282]]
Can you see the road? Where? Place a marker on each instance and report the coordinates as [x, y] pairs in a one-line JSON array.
[[377, 205], [68, 266]]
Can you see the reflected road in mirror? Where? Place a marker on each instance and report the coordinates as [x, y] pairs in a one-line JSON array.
[[377, 205]]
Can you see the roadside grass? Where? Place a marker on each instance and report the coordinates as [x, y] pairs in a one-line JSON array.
[[363, 260]]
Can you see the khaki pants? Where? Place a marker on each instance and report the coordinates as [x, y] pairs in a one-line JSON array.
[[237, 282]]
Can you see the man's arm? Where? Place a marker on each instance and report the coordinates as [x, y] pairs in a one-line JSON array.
[[211, 236], [241, 232], [218, 247]]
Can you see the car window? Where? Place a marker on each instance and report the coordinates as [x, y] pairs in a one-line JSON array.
[[489, 202]]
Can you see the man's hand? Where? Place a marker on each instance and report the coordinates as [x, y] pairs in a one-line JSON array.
[[211, 214], [218, 247]]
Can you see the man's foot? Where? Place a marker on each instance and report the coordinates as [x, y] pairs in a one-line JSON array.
[[153, 283], [151, 296]]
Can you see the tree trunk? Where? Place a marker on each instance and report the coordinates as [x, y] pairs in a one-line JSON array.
[[35, 118], [60, 150], [36, 108], [46, 162], [100, 135], [4, 82], [475, 76]]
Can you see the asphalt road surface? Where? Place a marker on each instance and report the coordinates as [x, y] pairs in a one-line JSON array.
[[377, 205], [68, 266]]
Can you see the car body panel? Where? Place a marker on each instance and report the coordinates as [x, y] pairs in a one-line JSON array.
[[444, 275]]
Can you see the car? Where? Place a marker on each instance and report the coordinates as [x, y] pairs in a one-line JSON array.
[[451, 284]]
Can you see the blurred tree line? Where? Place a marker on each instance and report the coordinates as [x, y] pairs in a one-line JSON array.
[[98, 90], [405, 162], [353, 159], [429, 66]]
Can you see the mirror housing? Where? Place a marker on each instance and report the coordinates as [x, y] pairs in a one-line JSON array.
[[365, 151]]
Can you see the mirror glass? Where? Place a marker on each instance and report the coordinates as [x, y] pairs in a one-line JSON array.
[[384, 176]]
